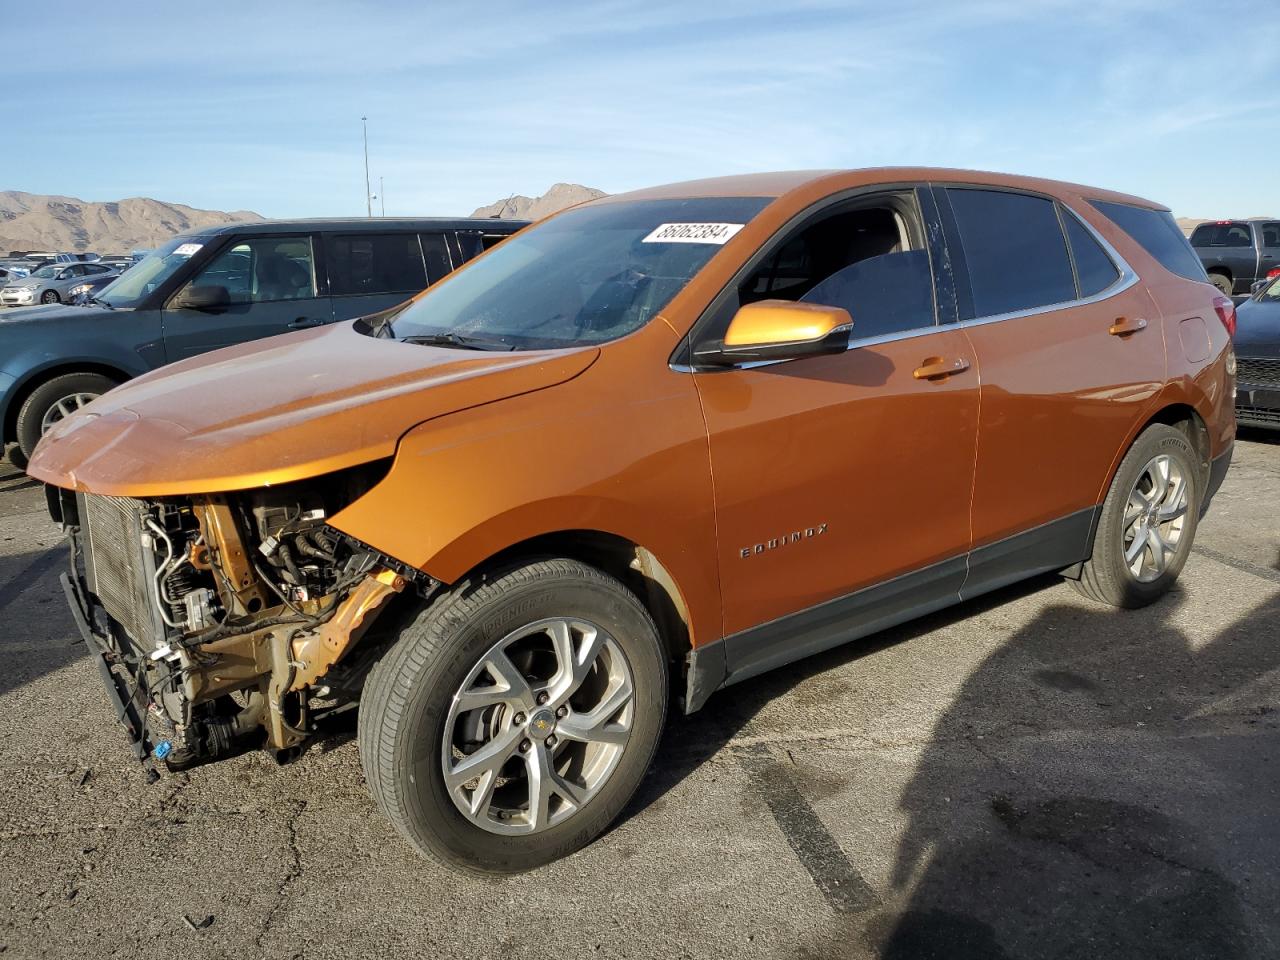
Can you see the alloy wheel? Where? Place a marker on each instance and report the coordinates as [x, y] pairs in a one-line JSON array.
[[1154, 517], [64, 408], [538, 726]]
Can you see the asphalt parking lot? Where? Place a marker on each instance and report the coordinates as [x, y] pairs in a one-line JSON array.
[[1025, 776]]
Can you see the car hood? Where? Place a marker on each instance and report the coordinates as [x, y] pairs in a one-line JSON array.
[[1258, 329], [52, 313], [277, 410]]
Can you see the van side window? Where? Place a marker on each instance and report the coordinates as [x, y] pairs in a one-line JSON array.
[[369, 263], [1014, 249], [436, 252], [862, 260], [1094, 269], [263, 269]]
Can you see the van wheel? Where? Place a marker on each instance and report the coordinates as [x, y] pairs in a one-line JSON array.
[[1222, 282], [1148, 521], [54, 400], [515, 716]]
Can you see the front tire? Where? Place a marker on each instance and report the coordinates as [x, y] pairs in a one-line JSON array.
[[50, 296], [1148, 521], [515, 716], [51, 401]]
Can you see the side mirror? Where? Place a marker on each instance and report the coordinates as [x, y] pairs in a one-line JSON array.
[[779, 330], [202, 298]]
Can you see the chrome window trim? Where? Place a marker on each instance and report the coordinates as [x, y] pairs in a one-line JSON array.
[[1127, 279]]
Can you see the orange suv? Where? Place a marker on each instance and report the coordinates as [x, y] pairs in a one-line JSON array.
[[660, 442]]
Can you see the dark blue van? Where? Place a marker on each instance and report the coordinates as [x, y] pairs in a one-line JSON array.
[[213, 288]]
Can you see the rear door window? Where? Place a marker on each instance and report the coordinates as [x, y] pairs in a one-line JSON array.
[[1157, 233], [1014, 249], [362, 264], [1095, 270], [1270, 231]]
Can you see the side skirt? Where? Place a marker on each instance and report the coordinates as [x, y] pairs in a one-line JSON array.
[[1052, 546]]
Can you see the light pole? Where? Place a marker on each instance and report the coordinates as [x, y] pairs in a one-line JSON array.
[[368, 194], [382, 197]]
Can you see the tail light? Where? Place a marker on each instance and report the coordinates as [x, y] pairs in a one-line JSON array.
[[1226, 310], [1273, 273]]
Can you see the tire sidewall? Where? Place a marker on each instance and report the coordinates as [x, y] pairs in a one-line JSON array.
[[1155, 441], [430, 812], [38, 402], [50, 296]]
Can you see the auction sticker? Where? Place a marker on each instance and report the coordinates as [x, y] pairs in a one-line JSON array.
[[187, 249], [717, 233]]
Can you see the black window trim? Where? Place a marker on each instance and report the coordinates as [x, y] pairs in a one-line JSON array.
[[1128, 276]]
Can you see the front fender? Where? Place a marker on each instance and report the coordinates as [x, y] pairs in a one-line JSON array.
[[610, 451], [27, 357]]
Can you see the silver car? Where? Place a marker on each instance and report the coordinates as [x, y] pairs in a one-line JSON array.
[[52, 283]]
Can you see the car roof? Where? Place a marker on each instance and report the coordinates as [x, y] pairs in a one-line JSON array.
[[359, 225], [785, 182]]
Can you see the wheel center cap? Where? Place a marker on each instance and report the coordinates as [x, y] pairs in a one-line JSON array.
[[542, 724]]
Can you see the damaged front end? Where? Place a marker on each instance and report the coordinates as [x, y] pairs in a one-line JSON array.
[[227, 622]]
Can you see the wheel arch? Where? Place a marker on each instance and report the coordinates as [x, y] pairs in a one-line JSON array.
[[24, 389], [635, 566], [1178, 413]]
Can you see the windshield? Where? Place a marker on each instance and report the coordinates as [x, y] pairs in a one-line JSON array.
[[46, 273], [586, 276], [154, 269]]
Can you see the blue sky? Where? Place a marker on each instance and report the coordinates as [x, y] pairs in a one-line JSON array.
[[257, 105]]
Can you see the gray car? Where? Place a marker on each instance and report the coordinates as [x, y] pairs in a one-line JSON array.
[[1257, 349], [52, 283]]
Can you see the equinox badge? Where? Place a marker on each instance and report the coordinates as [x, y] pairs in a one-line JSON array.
[[795, 536]]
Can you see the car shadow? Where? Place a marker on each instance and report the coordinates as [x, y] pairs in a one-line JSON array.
[[36, 629], [689, 741], [1102, 786]]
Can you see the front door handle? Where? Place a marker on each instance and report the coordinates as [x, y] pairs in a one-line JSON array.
[[301, 323], [1124, 327], [939, 368]]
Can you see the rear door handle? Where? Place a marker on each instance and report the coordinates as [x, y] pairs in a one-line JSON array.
[[939, 368], [301, 323], [1124, 327]]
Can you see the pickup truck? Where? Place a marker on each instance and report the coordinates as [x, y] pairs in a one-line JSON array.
[[1237, 253]]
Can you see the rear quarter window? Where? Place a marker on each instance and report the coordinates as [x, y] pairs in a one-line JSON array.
[[1157, 233]]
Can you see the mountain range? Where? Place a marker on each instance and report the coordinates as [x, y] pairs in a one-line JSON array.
[[560, 195], [31, 221]]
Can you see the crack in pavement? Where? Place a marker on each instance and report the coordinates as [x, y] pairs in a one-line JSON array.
[[292, 873]]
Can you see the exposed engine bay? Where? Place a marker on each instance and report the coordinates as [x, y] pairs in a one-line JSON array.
[[228, 621]]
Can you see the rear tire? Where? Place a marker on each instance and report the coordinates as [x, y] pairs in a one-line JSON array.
[[414, 707], [1147, 524], [1222, 282], [41, 409]]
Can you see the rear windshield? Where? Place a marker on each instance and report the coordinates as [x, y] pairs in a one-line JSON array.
[[1222, 235], [1158, 233], [590, 275]]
